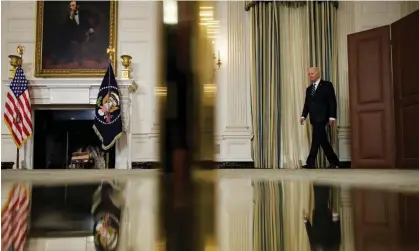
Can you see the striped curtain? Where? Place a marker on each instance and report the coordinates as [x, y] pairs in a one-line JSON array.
[[268, 222], [265, 84], [322, 18]]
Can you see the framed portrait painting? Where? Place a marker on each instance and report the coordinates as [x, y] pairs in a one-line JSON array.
[[72, 38]]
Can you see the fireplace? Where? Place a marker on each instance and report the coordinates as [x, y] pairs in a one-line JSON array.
[[58, 135]]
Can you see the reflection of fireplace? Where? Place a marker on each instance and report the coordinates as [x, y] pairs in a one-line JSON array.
[[62, 210]]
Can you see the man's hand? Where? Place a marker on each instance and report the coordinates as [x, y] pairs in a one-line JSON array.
[[91, 30], [305, 215], [331, 121], [302, 119]]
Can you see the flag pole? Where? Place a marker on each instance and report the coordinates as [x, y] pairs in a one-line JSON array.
[[110, 51], [20, 50]]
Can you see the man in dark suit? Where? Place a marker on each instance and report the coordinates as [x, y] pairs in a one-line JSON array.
[[324, 234], [78, 30], [320, 104]]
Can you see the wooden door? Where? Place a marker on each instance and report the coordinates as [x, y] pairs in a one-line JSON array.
[[376, 225], [405, 56], [371, 99], [405, 59]]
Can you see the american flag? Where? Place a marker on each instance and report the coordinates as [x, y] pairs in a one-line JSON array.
[[14, 219], [18, 110]]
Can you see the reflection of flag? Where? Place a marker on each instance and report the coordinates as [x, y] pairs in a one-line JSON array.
[[108, 121], [106, 209], [14, 217], [18, 111]]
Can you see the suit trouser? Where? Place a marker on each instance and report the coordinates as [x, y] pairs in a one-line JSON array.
[[319, 138]]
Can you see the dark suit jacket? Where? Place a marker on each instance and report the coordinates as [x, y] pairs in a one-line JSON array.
[[324, 232], [77, 32], [322, 105]]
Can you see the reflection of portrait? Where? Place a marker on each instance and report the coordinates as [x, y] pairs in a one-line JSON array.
[[72, 38]]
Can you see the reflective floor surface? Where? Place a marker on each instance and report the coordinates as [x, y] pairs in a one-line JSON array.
[[231, 210]]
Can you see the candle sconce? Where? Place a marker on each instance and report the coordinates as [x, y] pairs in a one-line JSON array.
[[16, 61], [217, 60], [126, 62]]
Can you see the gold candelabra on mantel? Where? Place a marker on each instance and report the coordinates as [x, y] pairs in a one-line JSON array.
[[126, 62], [16, 61]]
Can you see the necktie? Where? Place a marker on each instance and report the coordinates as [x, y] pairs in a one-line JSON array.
[[313, 90]]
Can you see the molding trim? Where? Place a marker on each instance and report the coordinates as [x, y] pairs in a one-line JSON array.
[[205, 164], [344, 143]]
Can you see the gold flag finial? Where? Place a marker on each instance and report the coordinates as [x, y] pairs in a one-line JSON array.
[[110, 51], [20, 49]]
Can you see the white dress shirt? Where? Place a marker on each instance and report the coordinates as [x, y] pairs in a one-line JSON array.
[[77, 18], [315, 84]]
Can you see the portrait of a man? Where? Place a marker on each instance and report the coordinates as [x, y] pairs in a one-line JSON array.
[[73, 37]]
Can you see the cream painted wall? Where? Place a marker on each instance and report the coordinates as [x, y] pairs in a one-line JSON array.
[[356, 17]]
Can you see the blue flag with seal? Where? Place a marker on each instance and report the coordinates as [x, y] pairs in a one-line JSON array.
[[108, 121]]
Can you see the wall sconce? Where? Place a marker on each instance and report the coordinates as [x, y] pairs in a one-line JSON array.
[[16, 61], [217, 60], [126, 62]]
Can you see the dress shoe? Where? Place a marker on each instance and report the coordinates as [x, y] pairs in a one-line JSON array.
[[333, 166], [309, 167]]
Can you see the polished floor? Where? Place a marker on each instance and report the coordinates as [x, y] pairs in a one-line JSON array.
[[243, 210]]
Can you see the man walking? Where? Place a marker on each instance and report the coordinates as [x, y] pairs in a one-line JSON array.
[[320, 104]]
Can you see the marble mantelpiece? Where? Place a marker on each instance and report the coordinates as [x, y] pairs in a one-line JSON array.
[[73, 93]]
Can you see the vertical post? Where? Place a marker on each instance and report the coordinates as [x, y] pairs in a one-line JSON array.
[[186, 119], [20, 49], [17, 157]]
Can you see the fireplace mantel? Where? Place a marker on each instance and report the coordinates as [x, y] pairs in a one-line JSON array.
[[59, 92], [70, 91]]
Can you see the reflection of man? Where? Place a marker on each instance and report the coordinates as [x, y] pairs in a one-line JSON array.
[[324, 233], [320, 104], [78, 30]]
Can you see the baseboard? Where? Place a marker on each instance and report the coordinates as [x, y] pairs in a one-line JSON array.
[[344, 165], [220, 165], [204, 164]]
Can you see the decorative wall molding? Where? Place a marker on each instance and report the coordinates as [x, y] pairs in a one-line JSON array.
[[348, 234], [235, 136], [344, 143], [345, 24], [235, 216]]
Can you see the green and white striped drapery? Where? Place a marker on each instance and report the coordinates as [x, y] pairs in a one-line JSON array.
[[275, 203], [268, 221], [265, 73], [265, 84], [322, 18]]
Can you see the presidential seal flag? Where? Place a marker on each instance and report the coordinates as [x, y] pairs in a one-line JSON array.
[[108, 121], [107, 202]]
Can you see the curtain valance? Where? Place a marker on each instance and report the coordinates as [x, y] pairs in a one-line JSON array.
[[294, 4]]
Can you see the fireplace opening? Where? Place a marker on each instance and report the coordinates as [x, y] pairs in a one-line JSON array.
[[65, 139]]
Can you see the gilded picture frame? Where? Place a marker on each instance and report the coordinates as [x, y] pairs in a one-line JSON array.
[[59, 51]]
